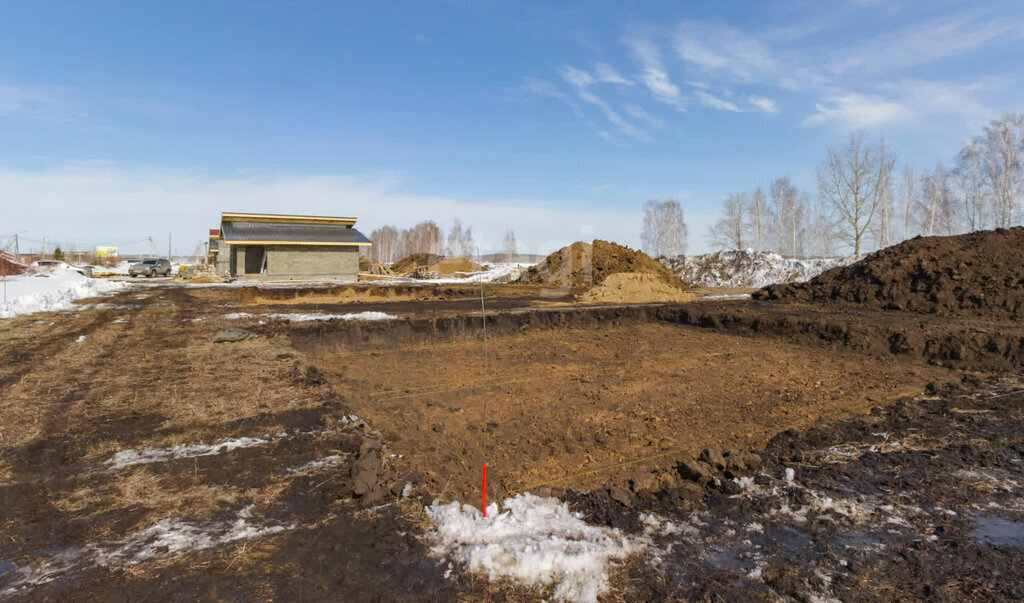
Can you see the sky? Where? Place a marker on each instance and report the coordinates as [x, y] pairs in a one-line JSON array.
[[125, 121]]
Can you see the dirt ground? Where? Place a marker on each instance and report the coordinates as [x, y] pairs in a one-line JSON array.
[[139, 460]]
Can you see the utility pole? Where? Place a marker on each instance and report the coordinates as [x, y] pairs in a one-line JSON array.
[[168, 247], [16, 253], [42, 252]]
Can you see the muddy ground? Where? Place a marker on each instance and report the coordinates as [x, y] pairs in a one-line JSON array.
[[139, 460]]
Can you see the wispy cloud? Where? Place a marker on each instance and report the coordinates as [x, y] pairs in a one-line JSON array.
[[653, 73], [582, 81], [763, 104], [35, 104], [717, 103], [638, 112], [719, 49], [855, 111]]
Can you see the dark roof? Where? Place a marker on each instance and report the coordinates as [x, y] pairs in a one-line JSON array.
[[309, 234]]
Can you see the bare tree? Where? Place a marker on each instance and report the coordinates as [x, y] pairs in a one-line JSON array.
[[385, 248], [789, 209], [883, 219], [969, 186], [853, 180], [936, 203], [510, 246], [758, 215], [727, 233], [821, 236], [664, 232], [908, 200], [460, 241], [1003, 152]]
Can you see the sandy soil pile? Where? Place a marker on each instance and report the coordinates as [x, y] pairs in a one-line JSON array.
[[582, 264], [411, 262], [976, 274], [9, 268], [634, 288], [450, 267]]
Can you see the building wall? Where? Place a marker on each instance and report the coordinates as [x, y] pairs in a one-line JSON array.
[[305, 263]]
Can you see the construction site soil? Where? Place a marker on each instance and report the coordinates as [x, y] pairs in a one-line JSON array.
[[980, 274], [139, 460], [582, 264]]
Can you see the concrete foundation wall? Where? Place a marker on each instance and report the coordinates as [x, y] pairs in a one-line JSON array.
[[304, 263]]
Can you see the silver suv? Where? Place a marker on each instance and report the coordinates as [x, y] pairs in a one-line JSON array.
[[151, 268]]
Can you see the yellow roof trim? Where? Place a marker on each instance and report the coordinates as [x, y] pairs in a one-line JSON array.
[[285, 219], [289, 243]]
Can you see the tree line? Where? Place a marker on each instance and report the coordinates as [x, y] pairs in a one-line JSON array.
[[391, 244], [861, 204]]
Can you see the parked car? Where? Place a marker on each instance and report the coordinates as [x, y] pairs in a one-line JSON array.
[[58, 264], [151, 268]]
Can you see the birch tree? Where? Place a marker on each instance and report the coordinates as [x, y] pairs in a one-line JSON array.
[[908, 200], [852, 179], [664, 230], [970, 188], [936, 204], [727, 233], [821, 231], [789, 212], [460, 241], [757, 213], [510, 246], [385, 245], [1003, 147]]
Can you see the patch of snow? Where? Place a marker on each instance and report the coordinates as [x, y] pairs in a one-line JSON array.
[[536, 541], [127, 458], [748, 268], [314, 316], [166, 537], [789, 475], [729, 296], [317, 464], [51, 290], [80, 339]]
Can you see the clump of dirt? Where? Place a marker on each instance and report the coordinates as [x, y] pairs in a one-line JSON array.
[[457, 267], [976, 274], [411, 262], [633, 288], [582, 264], [9, 267]]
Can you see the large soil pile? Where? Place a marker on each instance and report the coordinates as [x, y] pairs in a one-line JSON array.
[[457, 267], [411, 262], [634, 288], [9, 267], [582, 264], [976, 274]]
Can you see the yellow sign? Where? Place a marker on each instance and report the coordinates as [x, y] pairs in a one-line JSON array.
[[109, 251]]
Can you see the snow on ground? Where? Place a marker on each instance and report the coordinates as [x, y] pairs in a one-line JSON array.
[[499, 272], [120, 269], [51, 290], [127, 458], [536, 541], [310, 317], [166, 537], [748, 268]]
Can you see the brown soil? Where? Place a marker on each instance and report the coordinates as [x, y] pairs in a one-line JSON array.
[[634, 288], [582, 264], [410, 263], [450, 267], [976, 274], [577, 390]]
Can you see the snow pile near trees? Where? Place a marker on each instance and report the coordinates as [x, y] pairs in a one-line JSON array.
[[748, 268], [51, 290], [535, 541]]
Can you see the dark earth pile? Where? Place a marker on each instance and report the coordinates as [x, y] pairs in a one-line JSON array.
[[583, 264], [976, 274], [919, 500], [411, 262]]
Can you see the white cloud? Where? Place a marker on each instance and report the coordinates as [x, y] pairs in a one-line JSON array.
[[653, 74], [581, 80], [638, 112], [717, 48], [97, 203], [605, 73], [714, 102], [763, 104], [855, 111], [33, 103]]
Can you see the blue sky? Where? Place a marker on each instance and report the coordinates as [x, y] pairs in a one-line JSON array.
[[122, 120]]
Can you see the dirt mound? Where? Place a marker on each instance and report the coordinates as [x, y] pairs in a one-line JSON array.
[[450, 267], [411, 262], [8, 267], [634, 288], [582, 264], [976, 274]]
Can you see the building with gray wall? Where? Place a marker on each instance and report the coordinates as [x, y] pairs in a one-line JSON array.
[[272, 247]]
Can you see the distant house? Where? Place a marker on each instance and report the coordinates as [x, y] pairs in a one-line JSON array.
[[289, 248]]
